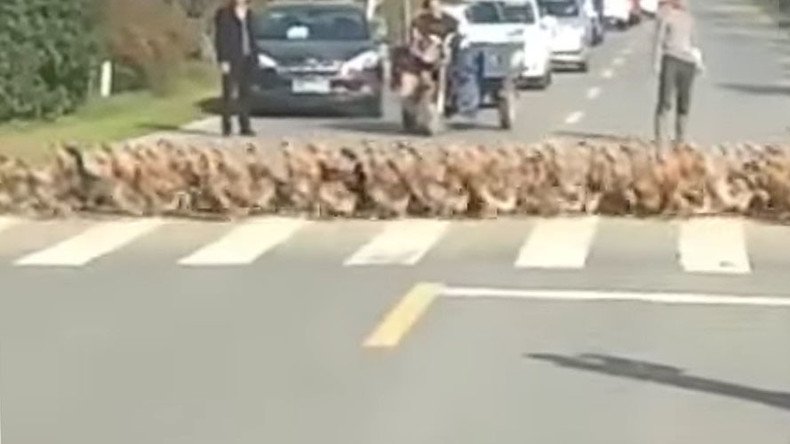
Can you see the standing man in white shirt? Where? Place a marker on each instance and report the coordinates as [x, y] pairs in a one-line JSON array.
[[676, 60]]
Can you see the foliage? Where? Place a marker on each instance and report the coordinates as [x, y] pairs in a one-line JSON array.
[[47, 55], [150, 40]]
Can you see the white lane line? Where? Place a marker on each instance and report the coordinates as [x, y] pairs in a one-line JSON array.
[[246, 243], [607, 73], [403, 242], [618, 61], [593, 93], [713, 245], [7, 222], [574, 117], [558, 243], [611, 296], [91, 244]]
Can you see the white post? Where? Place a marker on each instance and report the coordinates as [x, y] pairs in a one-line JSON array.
[[371, 9], [106, 79]]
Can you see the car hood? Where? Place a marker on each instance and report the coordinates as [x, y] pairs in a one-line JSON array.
[[289, 53]]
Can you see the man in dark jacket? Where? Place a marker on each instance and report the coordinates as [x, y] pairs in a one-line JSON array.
[[236, 55]]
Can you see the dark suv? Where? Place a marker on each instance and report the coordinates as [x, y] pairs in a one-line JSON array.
[[317, 55]]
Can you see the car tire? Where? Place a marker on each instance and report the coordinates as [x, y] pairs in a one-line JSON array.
[[584, 66]]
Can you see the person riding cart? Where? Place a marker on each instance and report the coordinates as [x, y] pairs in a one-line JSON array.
[[441, 73], [429, 31]]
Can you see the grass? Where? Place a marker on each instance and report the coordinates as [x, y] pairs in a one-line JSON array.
[[115, 118]]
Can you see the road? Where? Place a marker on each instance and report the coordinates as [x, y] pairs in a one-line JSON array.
[[743, 97], [422, 331]]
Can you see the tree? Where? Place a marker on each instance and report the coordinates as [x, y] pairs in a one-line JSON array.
[[48, 50]]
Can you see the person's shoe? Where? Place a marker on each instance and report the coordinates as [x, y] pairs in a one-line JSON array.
[[248, 133]]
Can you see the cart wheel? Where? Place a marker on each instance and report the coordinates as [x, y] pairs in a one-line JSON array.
[[409, 123], [408, 113], [428, 120], [507, 108], [431, 120]]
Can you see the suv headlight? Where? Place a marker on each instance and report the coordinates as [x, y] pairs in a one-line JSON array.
[[264, 61], [360, 62]]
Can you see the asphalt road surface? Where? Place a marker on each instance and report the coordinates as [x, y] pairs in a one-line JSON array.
[[742, 97], [613, 331]]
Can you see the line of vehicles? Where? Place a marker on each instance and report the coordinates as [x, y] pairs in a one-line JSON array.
[[329, 54]]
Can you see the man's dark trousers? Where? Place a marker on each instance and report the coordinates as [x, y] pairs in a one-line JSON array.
[[675, 86], [236, 95]]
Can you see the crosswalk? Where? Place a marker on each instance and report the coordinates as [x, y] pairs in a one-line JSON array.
[[246, 243], [706, 246]]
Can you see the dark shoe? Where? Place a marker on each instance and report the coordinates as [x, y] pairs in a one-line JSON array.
[[248, 133]]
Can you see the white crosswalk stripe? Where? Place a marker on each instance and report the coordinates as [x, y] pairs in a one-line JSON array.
[[402, 243], [246, 243], [91, 244], [7, 222], [705, 245], [714, 245], [558, 243]]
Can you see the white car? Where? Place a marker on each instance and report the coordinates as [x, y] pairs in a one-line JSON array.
[[649, 7], [537, 32], [617, 12], [511, 21], [573, 35]]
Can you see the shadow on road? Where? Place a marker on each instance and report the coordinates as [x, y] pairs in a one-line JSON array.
[[213, 106], [153, 127], [390, 128], [764, 90], [666, 375], [377, 127], [592, 136]]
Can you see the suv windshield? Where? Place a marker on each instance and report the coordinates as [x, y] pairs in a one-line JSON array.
[[306, 22], [560, 8], [519, 13], [483, 13]]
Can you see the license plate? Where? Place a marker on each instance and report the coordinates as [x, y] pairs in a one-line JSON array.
[[311, 86]]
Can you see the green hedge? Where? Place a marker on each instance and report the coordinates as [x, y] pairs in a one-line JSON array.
[[48, 51]]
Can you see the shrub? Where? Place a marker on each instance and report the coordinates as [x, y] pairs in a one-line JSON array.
[[150, 39], [47, 54]]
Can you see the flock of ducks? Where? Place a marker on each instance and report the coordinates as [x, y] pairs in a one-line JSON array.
[[593, 176]]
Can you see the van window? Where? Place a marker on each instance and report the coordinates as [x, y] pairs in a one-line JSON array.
[[484, 12], [519, 13]]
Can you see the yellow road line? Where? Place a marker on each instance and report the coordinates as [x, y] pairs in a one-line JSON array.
[[403, 316]]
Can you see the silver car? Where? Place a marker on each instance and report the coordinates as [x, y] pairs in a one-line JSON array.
[[573, 36]]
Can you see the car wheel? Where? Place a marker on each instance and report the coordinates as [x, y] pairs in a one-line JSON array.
[[584, 66]]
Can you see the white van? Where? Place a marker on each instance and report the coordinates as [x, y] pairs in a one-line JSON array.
[[618, 12], [509, 21]]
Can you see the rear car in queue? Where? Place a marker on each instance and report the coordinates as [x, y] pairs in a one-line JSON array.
[[317, 56]]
